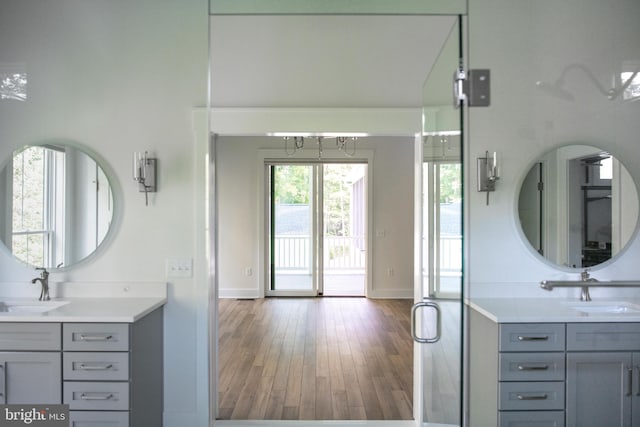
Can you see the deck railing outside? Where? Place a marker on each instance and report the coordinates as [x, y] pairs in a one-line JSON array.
[[347, 253], [341, 253]]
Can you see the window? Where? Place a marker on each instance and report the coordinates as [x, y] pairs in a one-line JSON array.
[[38, 200]]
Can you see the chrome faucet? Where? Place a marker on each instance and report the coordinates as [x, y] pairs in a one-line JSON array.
[[44, 281], [584, 293]]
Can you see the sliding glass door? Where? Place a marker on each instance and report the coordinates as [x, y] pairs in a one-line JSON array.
[[293, 229], [316, 229]]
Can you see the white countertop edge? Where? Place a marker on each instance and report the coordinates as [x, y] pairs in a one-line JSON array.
[[88, 310], [545, 310], [489, 315]]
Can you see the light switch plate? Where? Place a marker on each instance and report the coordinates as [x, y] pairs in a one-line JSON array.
[[179, 267]]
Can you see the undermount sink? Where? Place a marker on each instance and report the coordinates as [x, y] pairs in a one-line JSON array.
[[605, 307], [29, 306]]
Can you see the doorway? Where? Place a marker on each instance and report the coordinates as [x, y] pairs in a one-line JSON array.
[[426, 389], [317, 233]]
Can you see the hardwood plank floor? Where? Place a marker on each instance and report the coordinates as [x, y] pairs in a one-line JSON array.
[[315, 359]]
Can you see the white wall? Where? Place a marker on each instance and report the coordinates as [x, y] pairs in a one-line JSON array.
[[539, 41], [118, 76], [240, 213]]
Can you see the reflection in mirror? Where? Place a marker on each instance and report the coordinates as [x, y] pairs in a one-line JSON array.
[[578, 206], [57, 204]]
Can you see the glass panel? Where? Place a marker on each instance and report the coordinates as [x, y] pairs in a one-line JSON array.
[[442, 240], [442, 229], [344, 224], [357, 7], [292, 228]]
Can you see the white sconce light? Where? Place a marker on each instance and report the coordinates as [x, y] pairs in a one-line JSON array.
[[144, 173], [488, 173]]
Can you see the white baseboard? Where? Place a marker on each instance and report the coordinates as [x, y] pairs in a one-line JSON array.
[[239, 293], [391, 294], [375, 294]]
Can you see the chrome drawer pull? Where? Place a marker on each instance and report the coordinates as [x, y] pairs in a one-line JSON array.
[[533, 338], [533, 367], [97, 337], [96, 396], [541, 396], [95, 367]]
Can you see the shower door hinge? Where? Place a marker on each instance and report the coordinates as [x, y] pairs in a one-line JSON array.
[[472, 87]]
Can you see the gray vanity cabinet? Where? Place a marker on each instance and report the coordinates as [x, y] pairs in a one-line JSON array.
[[517, 373], [603, 374], [30, 366], [30, 378], [573, 374], [597, 385], [112, 372]]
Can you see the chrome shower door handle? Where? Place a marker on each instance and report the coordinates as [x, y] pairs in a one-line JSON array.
[[414, 311]]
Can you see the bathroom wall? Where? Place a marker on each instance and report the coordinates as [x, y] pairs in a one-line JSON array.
[[114, 77], [240, 213], [580, 45]]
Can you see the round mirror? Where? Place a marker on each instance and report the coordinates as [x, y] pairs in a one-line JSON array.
[[578, 206], [57, 205]]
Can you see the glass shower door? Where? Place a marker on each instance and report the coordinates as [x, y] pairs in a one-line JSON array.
[[437, 316]]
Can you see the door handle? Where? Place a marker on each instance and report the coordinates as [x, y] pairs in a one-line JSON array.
[[414, 311]]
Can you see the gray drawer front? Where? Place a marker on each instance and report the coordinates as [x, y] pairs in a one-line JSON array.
[[98, 419], [532, 366], [95, 337], [111, 396], [532, 337], [603, 336], [532, 419], [531, 396], [30, 336], [107, 366]]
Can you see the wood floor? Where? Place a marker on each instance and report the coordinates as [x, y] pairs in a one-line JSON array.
[[315, 359]]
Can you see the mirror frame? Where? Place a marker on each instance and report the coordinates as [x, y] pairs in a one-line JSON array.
[[116, 190], [518, 224]]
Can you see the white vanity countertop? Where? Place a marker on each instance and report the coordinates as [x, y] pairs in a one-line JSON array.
[[548, 310], [93, 302]]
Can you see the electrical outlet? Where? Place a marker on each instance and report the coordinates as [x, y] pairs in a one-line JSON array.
[[179, 267]]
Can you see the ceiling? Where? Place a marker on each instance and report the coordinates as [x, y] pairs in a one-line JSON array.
[[324, 60]]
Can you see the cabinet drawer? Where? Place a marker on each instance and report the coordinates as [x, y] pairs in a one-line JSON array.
[[111, 396], [532, 337], [95, 337], [98, 419], [30, 336], [95, 366], [603, 336], [531, 396], [532, 366], [532, 419]]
